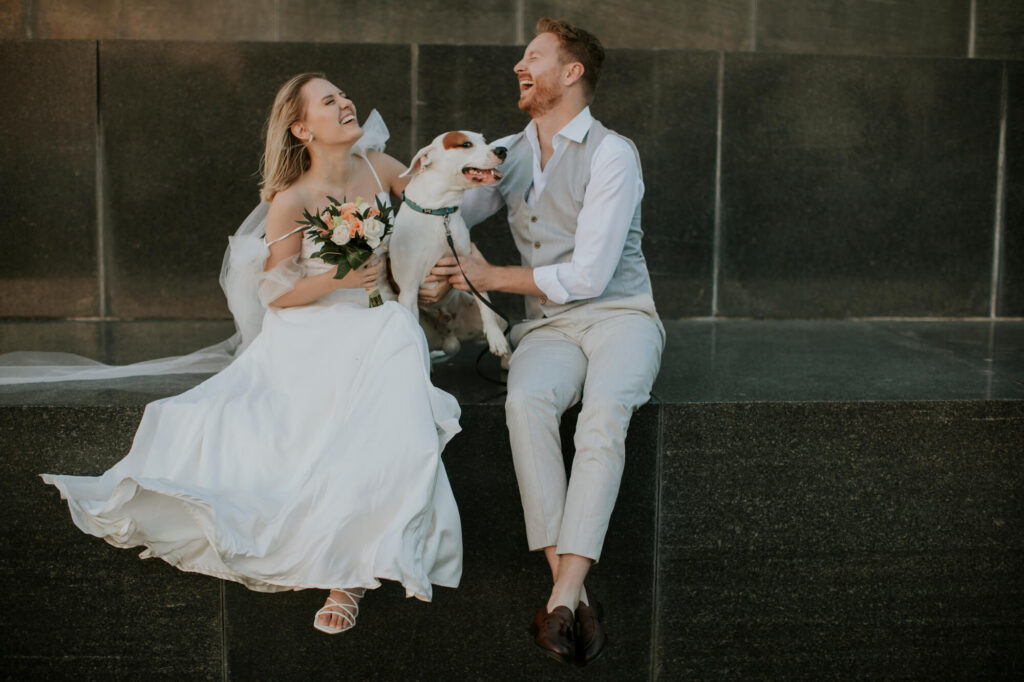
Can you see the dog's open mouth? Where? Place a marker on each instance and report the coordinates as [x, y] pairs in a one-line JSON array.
[[482, 176]]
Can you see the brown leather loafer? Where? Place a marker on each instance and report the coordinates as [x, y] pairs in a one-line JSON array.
[[590, 637], [554, 633]]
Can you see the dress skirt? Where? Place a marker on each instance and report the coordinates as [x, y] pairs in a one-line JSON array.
[[312, 461]]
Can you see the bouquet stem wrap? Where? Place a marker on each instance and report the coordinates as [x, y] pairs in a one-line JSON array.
[[375, 299]]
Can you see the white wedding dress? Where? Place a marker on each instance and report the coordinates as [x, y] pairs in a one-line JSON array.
[[313, 460]]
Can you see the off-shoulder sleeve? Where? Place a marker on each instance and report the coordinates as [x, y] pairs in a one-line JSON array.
[[280, 279]]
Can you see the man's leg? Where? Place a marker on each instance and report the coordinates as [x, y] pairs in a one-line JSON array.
[[624, 355], [545, 378]]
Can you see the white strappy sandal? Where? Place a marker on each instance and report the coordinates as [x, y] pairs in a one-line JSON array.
[[347, 611]]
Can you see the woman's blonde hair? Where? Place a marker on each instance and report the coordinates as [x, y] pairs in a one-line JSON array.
[[285, 157]]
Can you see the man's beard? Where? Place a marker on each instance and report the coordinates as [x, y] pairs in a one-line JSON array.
[[543, 99]]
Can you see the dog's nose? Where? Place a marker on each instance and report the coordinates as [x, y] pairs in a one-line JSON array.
[[500, 152]]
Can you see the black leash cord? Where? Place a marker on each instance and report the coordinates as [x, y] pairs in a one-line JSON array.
[[451, 245], [508, 323]]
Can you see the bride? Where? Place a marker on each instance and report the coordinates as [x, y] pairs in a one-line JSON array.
[[313, 460]]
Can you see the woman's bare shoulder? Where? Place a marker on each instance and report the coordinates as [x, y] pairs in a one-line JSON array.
[[285, 208], [385, 163], [389, 169]]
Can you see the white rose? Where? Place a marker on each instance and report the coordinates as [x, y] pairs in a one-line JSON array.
[[373, 229], [340, 235]]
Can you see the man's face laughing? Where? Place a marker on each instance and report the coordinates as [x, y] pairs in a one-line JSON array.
[[539, 72]]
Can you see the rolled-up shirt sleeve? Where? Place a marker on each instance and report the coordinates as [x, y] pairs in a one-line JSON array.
[[479, 204], [610, 200]]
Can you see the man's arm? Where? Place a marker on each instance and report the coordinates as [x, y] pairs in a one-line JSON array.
[[611, 198], [612, 195], [512, 279], [478, 204]]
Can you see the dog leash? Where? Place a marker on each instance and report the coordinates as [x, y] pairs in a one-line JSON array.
[[446, 214]]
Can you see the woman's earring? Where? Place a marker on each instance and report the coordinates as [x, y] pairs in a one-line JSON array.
[[311, 138]]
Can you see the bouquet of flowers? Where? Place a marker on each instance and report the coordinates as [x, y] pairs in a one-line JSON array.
[[348, 233]]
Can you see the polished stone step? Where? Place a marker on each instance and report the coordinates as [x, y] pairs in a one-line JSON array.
[[703, 362], [874, 528]]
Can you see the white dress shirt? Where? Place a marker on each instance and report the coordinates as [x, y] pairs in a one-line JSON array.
[[612, 196]]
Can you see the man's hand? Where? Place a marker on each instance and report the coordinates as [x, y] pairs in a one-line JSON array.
[[474, 265], [433, 289]]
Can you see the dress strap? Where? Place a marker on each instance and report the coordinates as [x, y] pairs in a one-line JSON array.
[[283, 237], [374, 171]]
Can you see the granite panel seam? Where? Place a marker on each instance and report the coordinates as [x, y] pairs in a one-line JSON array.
[[997, 237], [972, 29], [659, 449], [224, 670], [29, 18], [753, 25], [414, 97], [716, 239], [101, 244], [521, 29]]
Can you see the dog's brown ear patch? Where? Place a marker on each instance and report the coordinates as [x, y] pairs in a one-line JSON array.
[[454, 139]]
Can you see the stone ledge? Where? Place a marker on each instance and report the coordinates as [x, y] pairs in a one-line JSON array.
[[793, 540], [704, 361]]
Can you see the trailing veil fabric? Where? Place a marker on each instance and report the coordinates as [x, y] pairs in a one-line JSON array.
[[247, 288]]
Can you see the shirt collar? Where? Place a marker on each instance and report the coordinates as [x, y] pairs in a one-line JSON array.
[[574, 130], [577, 128]]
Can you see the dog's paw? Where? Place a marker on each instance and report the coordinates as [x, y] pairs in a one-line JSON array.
[[498, 345]]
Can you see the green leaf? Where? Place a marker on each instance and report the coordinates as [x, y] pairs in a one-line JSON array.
[[356, 257]]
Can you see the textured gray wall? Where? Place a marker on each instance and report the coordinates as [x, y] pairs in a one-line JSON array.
[[950, 28], [801, 158], [777, 185]]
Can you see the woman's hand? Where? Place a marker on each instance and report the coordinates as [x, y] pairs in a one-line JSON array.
[[435, 286], [363, 277]]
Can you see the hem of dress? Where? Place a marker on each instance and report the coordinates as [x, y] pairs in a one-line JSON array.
[[271, 587], [249, 582]]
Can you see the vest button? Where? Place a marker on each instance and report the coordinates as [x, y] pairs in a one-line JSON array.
[[543, 300], [536, 245], [533, 219]]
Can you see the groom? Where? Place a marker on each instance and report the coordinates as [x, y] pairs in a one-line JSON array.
[[573, 190]]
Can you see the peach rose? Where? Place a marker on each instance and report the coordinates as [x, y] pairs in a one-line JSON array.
[[355, 226]]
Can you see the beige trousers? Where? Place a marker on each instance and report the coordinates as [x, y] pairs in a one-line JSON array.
[[609, 360]]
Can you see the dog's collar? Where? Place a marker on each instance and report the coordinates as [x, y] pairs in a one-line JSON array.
[[443, 211]]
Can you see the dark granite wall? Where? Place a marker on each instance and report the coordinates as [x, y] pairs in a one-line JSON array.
[[777, 185], [858, 186], [182, 149], [48, 262], [1011, 292], [821, 550]]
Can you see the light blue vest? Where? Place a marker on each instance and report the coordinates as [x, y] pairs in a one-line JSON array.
[[545, 234]]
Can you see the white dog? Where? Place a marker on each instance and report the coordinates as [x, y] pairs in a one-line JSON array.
[[442, 171]]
